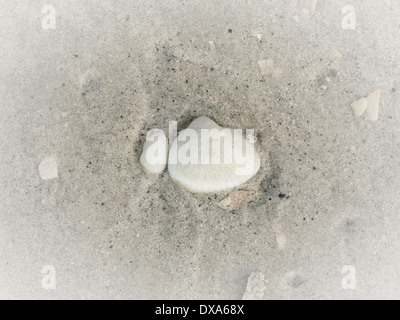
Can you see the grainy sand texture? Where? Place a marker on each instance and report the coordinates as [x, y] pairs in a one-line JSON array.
[[82, 82]]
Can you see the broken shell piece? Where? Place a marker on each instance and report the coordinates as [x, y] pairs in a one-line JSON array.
[[214, 158], [309, 5], [369, 104], [237, 198], [373, 105], [359, 106], [155, 151], [48, 168], [255, 287]]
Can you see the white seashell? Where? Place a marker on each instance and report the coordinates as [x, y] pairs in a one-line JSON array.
[[155, 151], [214, 158], [48, 168]]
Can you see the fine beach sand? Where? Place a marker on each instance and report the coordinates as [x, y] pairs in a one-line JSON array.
[[88, 91]]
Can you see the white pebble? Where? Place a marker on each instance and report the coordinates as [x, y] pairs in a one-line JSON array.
[[198, 173]]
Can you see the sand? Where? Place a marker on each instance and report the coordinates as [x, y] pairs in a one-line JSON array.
[[88, 91]]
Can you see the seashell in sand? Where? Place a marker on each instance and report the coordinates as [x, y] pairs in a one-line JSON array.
[[48, 168], [207, 158]]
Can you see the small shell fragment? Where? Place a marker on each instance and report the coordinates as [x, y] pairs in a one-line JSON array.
[[373, 105], [237, 198], [359, 106], [369, 104], [255, 287], [308, 5], [48, 168]]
